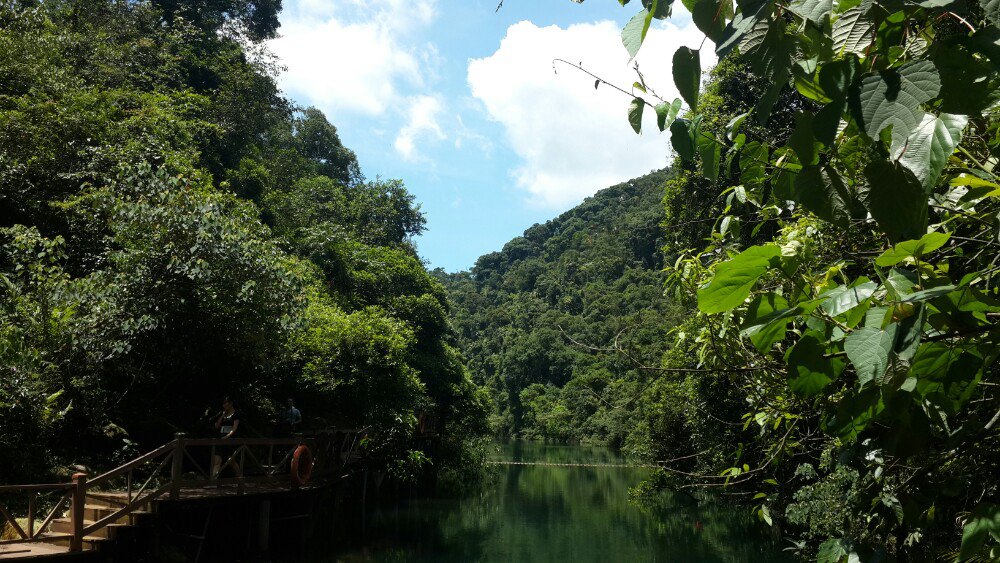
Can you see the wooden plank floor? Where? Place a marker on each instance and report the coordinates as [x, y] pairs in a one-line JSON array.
[[32, 551]]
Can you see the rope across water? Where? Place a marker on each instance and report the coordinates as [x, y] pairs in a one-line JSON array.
[[552, 464]]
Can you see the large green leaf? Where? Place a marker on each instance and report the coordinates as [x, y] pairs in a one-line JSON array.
[[735, 278], [666, 113], [815, 11], [766, 320], [710, 151], [660, 8], [982, 523], [809, 371], [710, 17], [894, 98], [754, 36], [852, 32], [635, 31], [910, 248], [844, 298], [853, 413], [803, 141], [635, 114], [821, 190], [753, 163], [772, 62], [868, 349], [749, 16], [946, 375], [835, 79], [896, 199], [786, 172], [928, 147], [907, 333], [687, 74], [682, 140]]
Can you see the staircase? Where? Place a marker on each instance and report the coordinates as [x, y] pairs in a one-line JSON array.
[[56, 540]]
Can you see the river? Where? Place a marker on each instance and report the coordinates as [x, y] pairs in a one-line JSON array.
[[564, 514]]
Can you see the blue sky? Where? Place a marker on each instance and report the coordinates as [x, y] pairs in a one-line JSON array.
[[461, 103]]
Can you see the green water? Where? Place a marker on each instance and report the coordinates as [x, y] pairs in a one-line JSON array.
[[565, 514]]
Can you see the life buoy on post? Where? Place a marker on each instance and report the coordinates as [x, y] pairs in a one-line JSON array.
[[302, 465]]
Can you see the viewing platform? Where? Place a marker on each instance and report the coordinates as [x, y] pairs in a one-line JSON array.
[[88, 518]]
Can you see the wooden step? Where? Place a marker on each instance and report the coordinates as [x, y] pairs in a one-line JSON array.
[[97, 512], [62, 539], [109, 501], [64, 526]]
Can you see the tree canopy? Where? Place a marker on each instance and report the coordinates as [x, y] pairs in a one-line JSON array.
[[173, 230]]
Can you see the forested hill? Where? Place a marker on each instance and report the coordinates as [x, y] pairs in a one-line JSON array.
[[525, 315]]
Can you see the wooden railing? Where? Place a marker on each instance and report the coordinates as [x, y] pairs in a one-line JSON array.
[[261, 461], [64, 491]]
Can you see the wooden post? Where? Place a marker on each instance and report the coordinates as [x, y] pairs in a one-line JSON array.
[[177, 466], [31, 515], [264, 526], [76, 511], [240, 486]]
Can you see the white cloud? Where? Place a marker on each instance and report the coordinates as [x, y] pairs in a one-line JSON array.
[[353, 55], [424, 114], [573, 140]]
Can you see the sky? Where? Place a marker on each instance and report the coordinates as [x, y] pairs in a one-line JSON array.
[[465, 104]]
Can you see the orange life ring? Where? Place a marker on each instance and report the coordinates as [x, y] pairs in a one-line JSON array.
[[302, 465]]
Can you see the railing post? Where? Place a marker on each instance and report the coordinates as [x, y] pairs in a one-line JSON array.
[[31, 515], [242, 467], [177, 466], [76, 511]]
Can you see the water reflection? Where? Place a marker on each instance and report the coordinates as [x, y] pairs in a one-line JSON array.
[[539, 513]]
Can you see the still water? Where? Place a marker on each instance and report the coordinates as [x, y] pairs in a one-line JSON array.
[[565, 514]]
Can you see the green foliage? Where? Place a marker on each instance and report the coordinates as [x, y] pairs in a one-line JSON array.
[[172, 230], [735, 278], [841, 255]]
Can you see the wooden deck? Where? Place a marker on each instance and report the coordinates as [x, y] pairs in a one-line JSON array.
[[224, 489], [93, 512], [22, 551]]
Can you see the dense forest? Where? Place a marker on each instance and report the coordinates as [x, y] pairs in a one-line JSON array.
[[173, 230], [798, 316], [528, 316], [830, 243]]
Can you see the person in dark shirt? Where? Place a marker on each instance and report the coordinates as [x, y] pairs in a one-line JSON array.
[[290, 420], [228, 424]]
